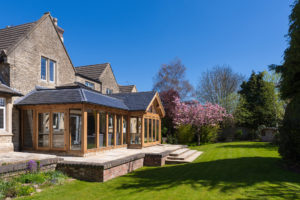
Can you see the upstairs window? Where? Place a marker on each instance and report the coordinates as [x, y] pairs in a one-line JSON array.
[[48, 68], [89, 84], [52, 71], [109, 91], [43, 68], [2, 113]]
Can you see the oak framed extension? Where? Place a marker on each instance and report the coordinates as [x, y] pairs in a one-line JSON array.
[[83, 128]]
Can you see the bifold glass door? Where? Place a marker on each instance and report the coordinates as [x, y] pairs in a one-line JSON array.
[[51, 130]]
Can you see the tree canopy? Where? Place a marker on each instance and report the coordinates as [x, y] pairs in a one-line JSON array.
[[219, 86], [172, 77], [257, 105]]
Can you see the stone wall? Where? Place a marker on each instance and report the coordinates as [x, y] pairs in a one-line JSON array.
[[101, 172], [25, 65], [11, 170], [108, 81], [155, 160]]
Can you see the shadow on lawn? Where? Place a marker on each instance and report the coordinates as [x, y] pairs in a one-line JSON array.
[[225, 175], [254, 145]]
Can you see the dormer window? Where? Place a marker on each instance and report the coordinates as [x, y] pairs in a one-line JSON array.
[[109, 91], [48, 69], [89, 84]]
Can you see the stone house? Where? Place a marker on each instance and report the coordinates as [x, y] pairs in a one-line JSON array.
[[46, 103]]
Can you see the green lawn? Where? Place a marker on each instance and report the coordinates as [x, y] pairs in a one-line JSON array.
[[237, 170]]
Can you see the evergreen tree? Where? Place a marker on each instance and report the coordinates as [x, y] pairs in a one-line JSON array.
[[289, 146], [257, 104]]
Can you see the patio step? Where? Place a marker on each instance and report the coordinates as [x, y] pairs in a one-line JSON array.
[[183, 156], [179, 152], [189, 159]]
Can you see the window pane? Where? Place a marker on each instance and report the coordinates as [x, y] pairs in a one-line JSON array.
[[89, 84], [43, 129], [102, 129], [91, 129], [58, 122], [153, 130], [124, 130], [1, 118], [28, 128], [157, 130], [75, 129], [2, 102], [150, 130], [145, 130], [111, 135], [52, 70], [135, 124], [119, 129], [43, 68]]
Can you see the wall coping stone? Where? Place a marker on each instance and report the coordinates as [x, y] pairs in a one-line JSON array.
[[105, 165], [23, 165]]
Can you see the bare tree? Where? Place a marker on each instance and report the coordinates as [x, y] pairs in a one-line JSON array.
[[219, 86], [172, 77]]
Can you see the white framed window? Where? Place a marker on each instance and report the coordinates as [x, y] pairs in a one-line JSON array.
[[89, 84], [48, 69], [52, 65], [109, 91], [43, 68], [2, 113]]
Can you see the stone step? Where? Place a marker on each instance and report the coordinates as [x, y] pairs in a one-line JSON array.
[[179, 152], [182, 156], [188, 160]]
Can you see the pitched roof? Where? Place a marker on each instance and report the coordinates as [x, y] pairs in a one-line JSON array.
[[8, 90], [91, 71], [135, 101], [78, 94], [69, 95], [11, 35], [126, 88]]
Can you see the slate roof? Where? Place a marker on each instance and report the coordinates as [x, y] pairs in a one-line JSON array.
[[91, 71], [126, 88], [135, 101], [11, 35], [7, 90], [66, 95]]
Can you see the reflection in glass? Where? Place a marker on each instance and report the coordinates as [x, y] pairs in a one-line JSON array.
[[43, 129], [75, 129], [28, 128], [58, 138], [145, 130], [91, 129], [111, 130], [124, 130], [102, 129]]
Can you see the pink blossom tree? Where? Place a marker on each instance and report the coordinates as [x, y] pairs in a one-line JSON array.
[[197, 115]]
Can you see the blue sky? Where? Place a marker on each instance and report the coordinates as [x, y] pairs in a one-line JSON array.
[[136, 37]]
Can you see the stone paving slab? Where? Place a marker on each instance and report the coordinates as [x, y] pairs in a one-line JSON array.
[[18, 157], [121, 153]]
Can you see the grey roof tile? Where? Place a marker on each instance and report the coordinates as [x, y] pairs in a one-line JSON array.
[[11, 35], [126, 101], [91, 71], [136, 101], [126, 88]]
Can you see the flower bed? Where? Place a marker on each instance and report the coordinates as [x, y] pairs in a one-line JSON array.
[[30, 182]]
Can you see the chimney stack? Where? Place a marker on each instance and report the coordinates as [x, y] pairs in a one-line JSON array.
[[59, 29]]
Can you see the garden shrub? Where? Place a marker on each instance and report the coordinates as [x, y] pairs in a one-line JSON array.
[[209, 134], [238, 134], [185, 134], [172, 139]]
